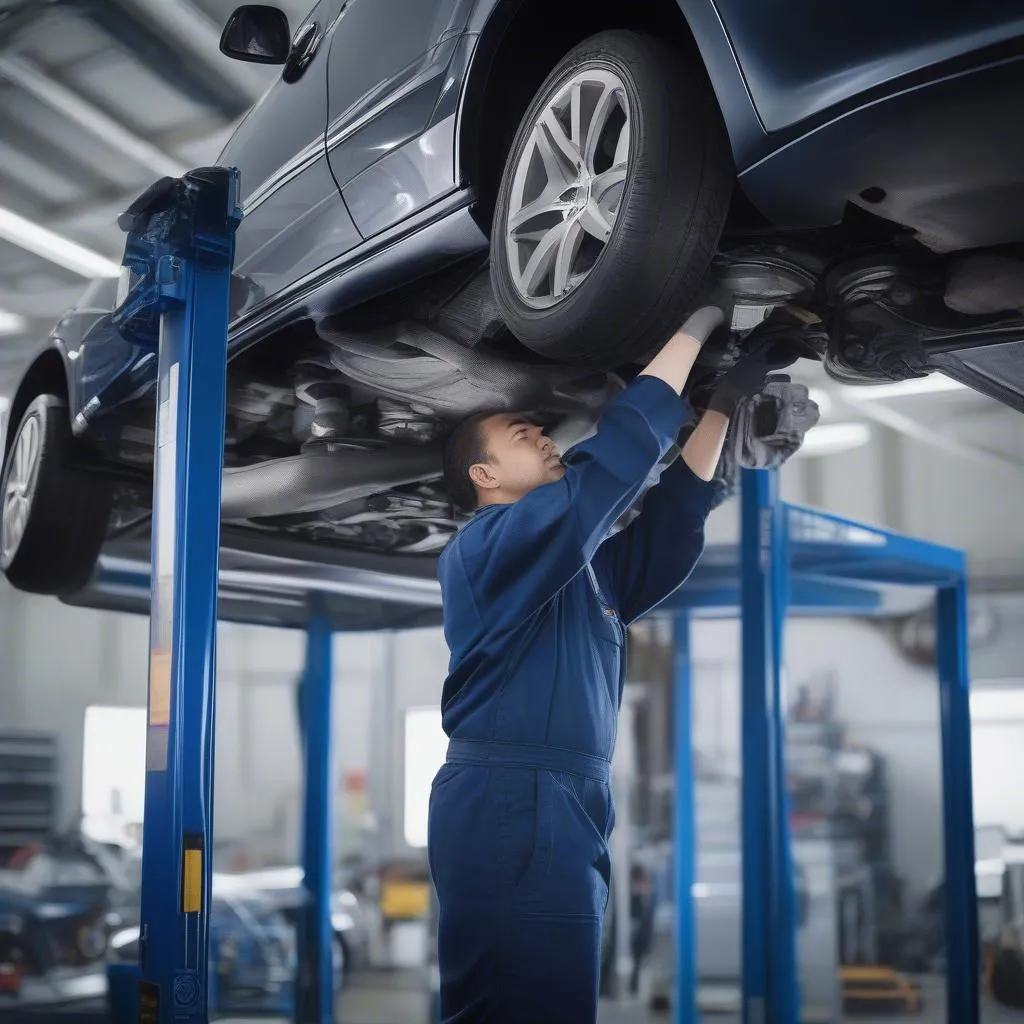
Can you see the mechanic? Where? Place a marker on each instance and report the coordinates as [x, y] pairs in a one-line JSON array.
[[537, 595]]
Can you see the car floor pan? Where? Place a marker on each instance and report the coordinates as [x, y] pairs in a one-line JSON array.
[[320, 479], [413, 364]]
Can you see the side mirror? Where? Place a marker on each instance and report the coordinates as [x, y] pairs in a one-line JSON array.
[[257, 33]]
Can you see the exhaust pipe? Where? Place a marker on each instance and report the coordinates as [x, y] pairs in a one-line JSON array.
[[320, 479]]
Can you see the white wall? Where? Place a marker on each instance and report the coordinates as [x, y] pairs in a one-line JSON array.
[[887, 704], [55, 661], [68, 658]]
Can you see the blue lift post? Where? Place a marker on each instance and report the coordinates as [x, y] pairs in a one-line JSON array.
[[685, 829], [769, 935], [314, 1002], [179, 256], [806, 562]]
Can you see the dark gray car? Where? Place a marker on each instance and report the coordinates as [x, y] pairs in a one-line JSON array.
[[463, 204]]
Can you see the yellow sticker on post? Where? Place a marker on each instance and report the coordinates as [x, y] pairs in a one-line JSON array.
[[160, 688], [192, 874]]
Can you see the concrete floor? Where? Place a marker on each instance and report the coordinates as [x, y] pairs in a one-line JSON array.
[[396, 997]]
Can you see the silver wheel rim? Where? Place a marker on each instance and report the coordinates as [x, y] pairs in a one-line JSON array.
[[567, 187], [18, 488]]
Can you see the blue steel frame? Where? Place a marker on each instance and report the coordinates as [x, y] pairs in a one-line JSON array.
[[794, 559]]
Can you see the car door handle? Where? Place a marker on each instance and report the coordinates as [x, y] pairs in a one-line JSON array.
[[304, 48]]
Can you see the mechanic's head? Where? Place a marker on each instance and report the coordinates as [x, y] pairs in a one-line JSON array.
[[495, 458]]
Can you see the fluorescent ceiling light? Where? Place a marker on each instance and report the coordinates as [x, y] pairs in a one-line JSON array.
[[11, 323], [833, 438], [932, 384], [55, 248]]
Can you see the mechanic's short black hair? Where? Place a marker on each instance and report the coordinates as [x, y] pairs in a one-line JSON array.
[[464, 448]]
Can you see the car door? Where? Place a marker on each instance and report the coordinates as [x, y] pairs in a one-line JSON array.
[[295, 218], [390, 140]]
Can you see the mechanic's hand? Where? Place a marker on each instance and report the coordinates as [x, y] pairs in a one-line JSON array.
[[744, 379], [702, 324]]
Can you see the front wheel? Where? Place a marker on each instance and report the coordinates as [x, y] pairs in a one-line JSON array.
[[612, 202], [54, 514]]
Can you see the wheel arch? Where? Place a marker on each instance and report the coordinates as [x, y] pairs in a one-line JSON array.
[[512, 57], [47, 374]]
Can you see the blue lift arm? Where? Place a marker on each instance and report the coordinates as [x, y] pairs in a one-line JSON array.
[[177, 266]]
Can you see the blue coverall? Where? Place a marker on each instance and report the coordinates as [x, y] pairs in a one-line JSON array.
[[537, 597]]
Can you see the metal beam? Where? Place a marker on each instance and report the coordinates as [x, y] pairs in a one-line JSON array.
[[46, 150], [879, 413], [27, 76]]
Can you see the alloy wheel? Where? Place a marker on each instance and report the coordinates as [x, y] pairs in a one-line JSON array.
[[567, 187], [19, 487]]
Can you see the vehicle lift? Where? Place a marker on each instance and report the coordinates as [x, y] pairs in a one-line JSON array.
[[175, 304]]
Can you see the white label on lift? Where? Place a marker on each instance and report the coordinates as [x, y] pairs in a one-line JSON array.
[[162, 609]]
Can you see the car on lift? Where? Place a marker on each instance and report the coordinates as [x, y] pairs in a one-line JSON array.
[[452, 205]]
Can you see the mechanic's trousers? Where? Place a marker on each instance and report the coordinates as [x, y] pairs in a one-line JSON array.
[[519, 857]]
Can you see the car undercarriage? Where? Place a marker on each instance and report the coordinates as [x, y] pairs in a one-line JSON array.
[[335, 431]]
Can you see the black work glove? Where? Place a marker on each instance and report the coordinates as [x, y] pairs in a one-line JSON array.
[[744, 379]]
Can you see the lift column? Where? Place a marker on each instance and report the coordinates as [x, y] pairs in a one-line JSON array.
[[180, 252], [770, 994], [684, 827], [315, 989], [963, 956]]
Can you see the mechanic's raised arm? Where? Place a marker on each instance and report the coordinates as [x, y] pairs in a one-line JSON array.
[[526, 552], [645, 563], [651, 558]]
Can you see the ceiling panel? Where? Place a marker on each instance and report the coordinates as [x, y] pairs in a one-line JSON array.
[[52, 184], [60, 39], [83, 150], [122, 87]]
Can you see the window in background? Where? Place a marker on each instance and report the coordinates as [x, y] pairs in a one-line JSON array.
[[113, 773], [425, 749], [997, 752]]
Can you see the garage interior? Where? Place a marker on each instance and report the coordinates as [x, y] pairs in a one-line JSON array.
[[97, 100]]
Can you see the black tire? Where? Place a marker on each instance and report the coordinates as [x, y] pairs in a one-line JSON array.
[[669, 221], [68, 509]]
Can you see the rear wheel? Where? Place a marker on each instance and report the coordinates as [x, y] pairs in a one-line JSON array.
[[54, 514], [612, 202]]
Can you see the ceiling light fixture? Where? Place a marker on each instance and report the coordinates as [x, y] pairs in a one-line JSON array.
[[834, 438], [932, 384], [12, 323], [55, 248]]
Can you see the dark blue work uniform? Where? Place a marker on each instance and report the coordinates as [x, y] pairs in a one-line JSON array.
[[536, 600]]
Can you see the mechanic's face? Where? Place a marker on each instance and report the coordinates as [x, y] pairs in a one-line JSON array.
[[520, 457]]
